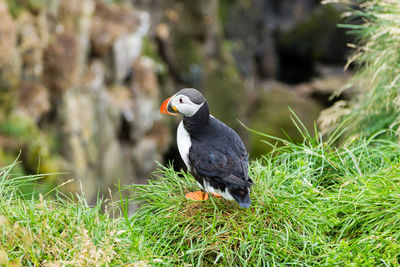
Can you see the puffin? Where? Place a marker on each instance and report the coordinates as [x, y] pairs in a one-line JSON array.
[[212, 151]]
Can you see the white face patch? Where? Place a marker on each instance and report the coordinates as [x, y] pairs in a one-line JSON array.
[[184, 105]]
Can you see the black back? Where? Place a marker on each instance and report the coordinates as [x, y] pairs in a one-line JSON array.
[[217, 152]]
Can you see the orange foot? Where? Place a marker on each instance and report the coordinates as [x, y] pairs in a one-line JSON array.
[[198, 195], [216, 195]]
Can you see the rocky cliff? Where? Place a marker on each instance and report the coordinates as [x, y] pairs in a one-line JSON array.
[[77, 93]]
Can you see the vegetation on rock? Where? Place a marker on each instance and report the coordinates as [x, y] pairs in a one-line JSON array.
[[375, 103]]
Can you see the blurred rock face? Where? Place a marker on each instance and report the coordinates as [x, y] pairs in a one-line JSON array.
[[10, 63], [86, 97], [81, 80]]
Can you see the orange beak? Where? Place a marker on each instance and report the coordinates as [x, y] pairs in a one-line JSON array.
[[164, 107]]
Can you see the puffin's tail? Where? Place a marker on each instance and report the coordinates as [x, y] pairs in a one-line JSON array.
[[244, 205], [242, 196], [239, 189]]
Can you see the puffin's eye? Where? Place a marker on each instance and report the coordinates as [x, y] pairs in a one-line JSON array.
[[180, 100]]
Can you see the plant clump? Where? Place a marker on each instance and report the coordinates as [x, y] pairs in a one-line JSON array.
[[375, 104]]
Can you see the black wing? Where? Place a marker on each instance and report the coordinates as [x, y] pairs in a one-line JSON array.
[[223, 159]]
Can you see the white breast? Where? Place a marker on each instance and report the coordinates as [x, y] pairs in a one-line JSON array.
[[184, 144]]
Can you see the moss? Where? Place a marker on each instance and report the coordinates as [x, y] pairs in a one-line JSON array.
[[15, 7], [16, 126], [32, 143]]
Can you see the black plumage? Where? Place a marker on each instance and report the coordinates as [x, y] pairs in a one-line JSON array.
[[217, 157]]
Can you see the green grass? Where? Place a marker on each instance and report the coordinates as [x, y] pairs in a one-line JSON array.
[[62, 231], [375, 86], [312, 204]]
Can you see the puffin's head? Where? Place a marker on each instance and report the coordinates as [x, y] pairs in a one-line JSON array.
[[186, 102]]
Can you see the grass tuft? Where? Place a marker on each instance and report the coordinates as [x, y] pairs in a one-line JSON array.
[[311, 204], [376, 101], [62, 231]]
